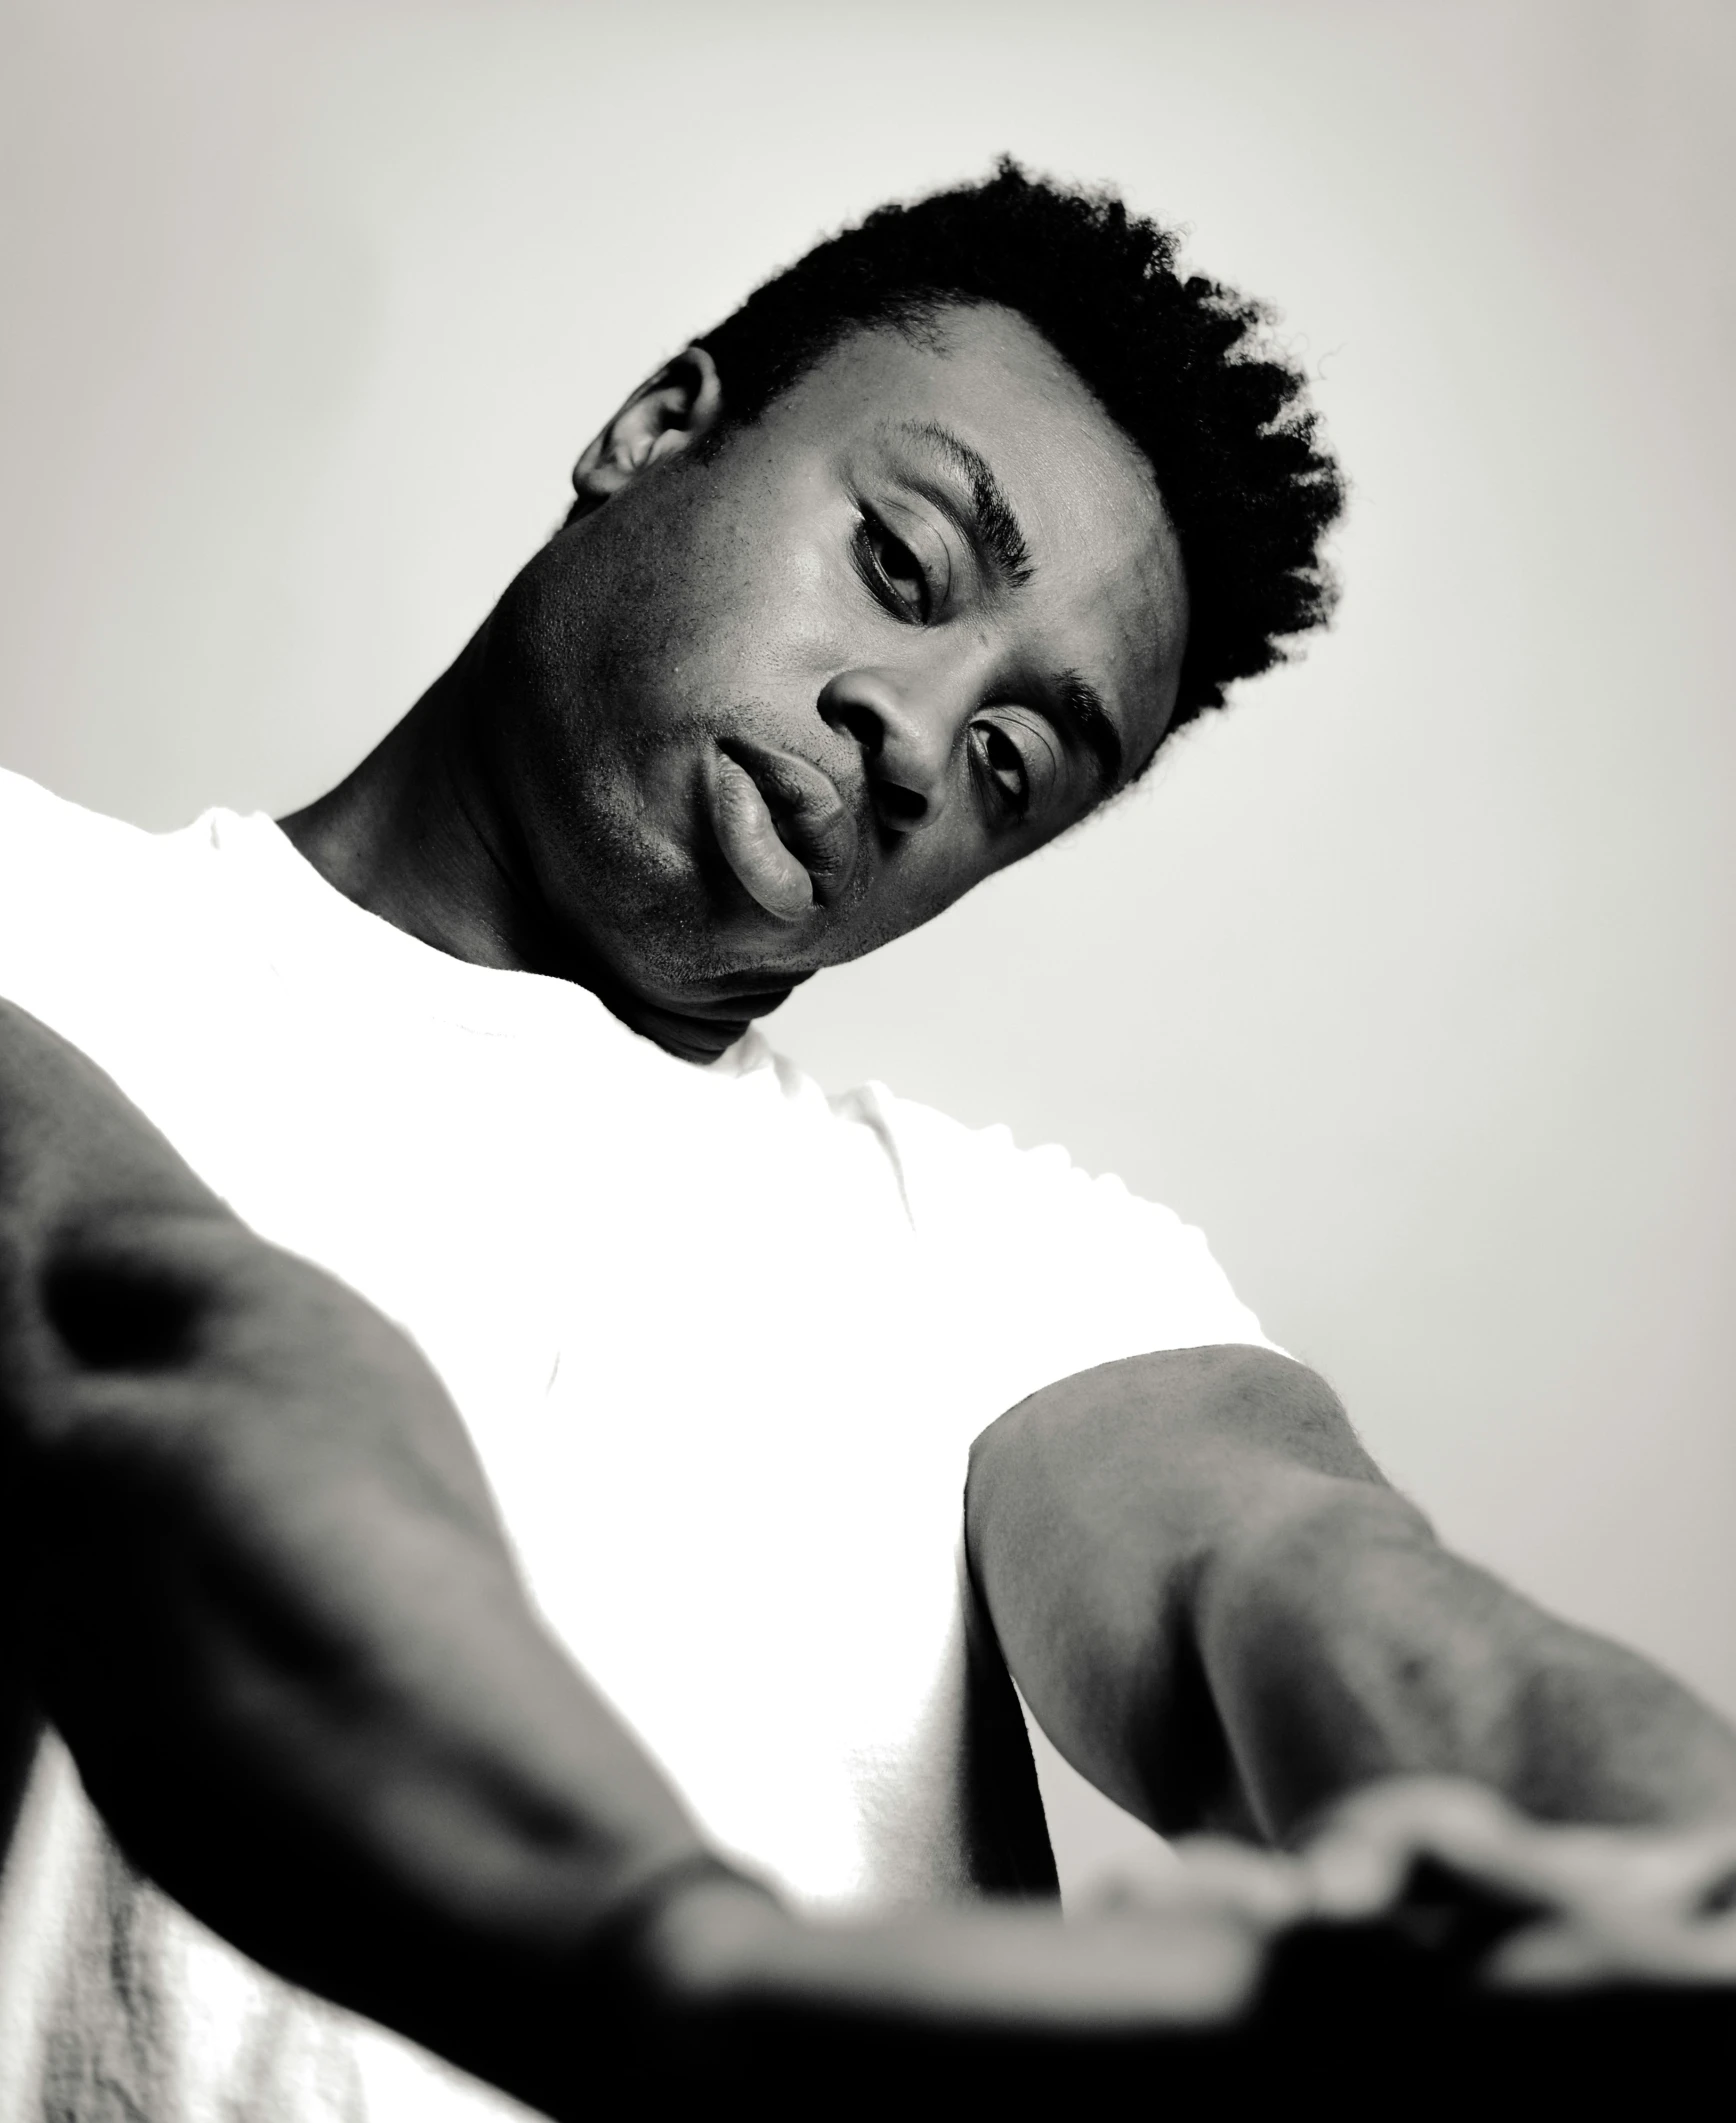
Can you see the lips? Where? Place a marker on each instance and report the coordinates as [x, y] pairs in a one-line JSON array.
[[782, 826]]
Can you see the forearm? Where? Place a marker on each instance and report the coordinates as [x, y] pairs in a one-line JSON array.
[[309, 1697], [258, 1581], [1342, 1643], [305, 1691], [251, 1570], [1221, 1613]]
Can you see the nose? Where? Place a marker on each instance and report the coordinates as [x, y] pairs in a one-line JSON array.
[[906, 747]]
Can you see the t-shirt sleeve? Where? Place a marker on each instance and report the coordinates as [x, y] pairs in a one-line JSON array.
[[80, 911], [1063, 1270]]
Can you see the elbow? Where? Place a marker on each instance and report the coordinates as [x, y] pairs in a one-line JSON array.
[[1236, 1397]]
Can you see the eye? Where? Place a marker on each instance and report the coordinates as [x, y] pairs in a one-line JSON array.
[[894, 572], [1003, 768]]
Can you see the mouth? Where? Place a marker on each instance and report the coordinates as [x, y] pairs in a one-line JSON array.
[[782, 825]]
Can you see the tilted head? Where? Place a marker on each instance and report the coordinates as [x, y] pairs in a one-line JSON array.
[[886, 581]]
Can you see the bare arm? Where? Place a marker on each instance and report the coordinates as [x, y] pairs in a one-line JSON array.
[[1215, 1606], [258, 1584]]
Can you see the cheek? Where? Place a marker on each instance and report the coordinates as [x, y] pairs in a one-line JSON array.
[[725, 605], [804, 638], [770, 595], [658, 600], [687, 598]]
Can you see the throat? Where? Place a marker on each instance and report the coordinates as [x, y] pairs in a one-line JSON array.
[[414, 836], [410, 835]]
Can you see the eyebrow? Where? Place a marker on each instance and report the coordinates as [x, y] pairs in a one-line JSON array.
[[994, 529], [1081, 708], [992, 526]]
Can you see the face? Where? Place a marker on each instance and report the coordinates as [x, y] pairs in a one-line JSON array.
[[765, 706]]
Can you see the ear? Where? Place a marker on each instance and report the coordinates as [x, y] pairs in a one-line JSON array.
[[664, 415]]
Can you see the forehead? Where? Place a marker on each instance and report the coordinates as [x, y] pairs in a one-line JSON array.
[[1106, 579]]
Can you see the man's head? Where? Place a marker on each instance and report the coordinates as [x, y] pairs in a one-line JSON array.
[[885, 582]]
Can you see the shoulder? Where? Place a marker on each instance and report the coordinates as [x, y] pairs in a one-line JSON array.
[[48, 843], [979, 1179], [80, 904], [1072, 1262]]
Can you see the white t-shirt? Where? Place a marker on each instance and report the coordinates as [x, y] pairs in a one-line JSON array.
[[722, 1342]]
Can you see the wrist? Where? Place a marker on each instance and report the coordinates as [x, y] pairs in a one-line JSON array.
[[678, 1961], [689, 1935]]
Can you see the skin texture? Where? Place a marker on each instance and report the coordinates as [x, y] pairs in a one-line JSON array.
[[256, 1580], [762, 704], [252, 1573], [1219, 1611], [1201, 1583], [800, 593]]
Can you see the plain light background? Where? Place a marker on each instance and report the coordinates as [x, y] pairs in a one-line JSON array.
[[1411, 979]]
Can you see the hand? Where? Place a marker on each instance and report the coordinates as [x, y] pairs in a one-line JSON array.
[[1008, 1999], [1214, 1875], [1555, 1906]]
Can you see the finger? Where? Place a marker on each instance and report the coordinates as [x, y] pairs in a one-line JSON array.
[[1674, 1874], [1618, 1874], [1269, 1888], [1358, 1863], [1361, 1860], [1573, 1954]]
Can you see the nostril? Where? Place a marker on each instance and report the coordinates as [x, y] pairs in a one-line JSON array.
[[895, 742], [858, 721], [119, 1319], [899, 806]]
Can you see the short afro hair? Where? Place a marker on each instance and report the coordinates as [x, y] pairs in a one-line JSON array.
[[1185, 367]]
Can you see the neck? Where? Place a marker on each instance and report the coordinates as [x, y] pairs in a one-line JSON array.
[[412, 834], [417, 835]]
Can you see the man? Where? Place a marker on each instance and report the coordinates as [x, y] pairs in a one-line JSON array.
[[886, 582]]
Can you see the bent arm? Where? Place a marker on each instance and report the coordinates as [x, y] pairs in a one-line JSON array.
[[259, 1586], [1216, 1607]]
